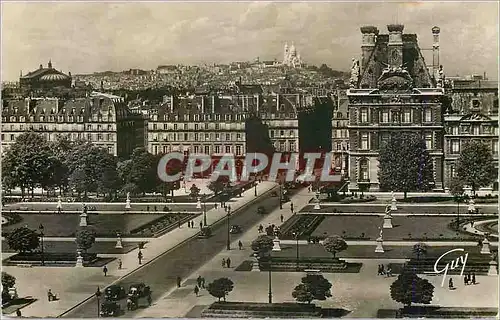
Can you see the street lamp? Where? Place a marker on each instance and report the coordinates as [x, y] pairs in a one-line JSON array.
[[41, 238], [296, 235], [270, 294], [98, 295], [255, 184], [228, 244], [281, 195], [204, 211]]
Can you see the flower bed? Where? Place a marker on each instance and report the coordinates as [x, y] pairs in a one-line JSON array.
[[162, 224], [51, 256], [303, 226], [369, 198]]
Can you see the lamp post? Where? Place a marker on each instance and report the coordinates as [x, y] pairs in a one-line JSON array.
[[281, 195], [98, 295], [204, 211], [228, 243], [41, 238], [255, 184], [270, 294], [296, 235]]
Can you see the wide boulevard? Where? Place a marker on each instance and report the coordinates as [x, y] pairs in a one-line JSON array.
[[182, 261]]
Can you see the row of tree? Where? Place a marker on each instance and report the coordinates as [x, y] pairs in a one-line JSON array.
[[405, 165], [81, 167]]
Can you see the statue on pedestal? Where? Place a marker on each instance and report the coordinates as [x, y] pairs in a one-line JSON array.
[[127, 204], [353, 81]]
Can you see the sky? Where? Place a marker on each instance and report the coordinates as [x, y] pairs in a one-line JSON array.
[[86, 37]]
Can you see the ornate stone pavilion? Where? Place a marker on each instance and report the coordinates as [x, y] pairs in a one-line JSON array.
[[391, 89]]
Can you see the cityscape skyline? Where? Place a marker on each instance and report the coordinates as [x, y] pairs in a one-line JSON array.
[[100, 36]]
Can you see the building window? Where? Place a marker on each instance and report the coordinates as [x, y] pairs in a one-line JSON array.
[[228, 149], [156, 150], [282, 146], [238, 136], [385, 116], [165, 127], [207, 149], [217, 136], [196, 136], [364, 141], [186, 137], [185, 126], [363, 170], [427, 115], [175, 126], [272, 133], [228, 137], [494, 147], [292, 134], [217, 126], [454, 130], [196, 126], [99, 137], [282, 133], [455, 146], [110, 150], [292, 146], [475, 130], [339, 146], [196, 149], [453, 172], [217, 149], [407, 116], [154, 126], [428, 140], [364, 116], [238, 150]]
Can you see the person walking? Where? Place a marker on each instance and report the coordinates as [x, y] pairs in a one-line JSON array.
[[150, 300], [105, 270], [196, 290], [203, 282], [139, 256], [466, 280], [282, 218], [201, 225], [450, 284], [198, 281], [382, 269], [291, 207], [178, 280], [473, 278], [18, 311], [228, 262], [223, 262], [240, 244]]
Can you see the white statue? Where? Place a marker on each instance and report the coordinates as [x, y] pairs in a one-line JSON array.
[[354, 73], [128, 195], [381, 233]]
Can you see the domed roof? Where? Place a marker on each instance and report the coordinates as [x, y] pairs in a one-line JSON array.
[[54, 77]]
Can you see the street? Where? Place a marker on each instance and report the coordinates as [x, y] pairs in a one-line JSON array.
[[161, 274]]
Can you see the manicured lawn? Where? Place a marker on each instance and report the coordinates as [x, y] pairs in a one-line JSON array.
[[420, 209], [367, 252], [411, 227], [66, 225], [70, 246]]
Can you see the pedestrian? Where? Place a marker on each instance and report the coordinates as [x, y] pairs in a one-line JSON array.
[[203, 282], [196, 290], [139, 256], [201, 225], [282, 218], [147, 208], [382, 269], [240, 244], [223, 262], [178, 282], [215, 205], [469, 278], [105, 270], [120, 264], [179, 223], [150, 300], [466, 280], [291, 207], [474, 278], [198, 281], [155, 208], [472, 224], [450, 284], [49, 295], [228, 262], [389, 272], [18, 312], [379, 271]]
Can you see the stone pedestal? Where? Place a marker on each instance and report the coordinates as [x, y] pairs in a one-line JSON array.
[[127, 204], [393, 204], [468, 191], [276, 246], [317, 206], [255, 265], [472, 206], [119, 242], [493, 270], [486, 247], [387, 222], [83, 220], [379, 248], [13, 292], [198, 203], [59, 203], [79, 260]]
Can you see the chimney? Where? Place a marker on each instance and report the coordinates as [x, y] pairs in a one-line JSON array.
[[435, 51], [395, 45], [369, 38]]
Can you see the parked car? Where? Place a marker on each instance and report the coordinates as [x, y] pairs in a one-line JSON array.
[[139, 290], [110, 309], [114, 292], [235, 229]]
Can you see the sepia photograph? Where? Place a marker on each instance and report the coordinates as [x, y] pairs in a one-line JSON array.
[[226, 159]]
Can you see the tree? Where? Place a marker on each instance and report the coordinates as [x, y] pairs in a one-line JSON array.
[[173, 167], [475, 165], [409, 288], [195, 191], [334, 245], [85, 238], [142, 170], [8, 281], [30, 163], [263, 244], [257, 136], [456, 188], [420, 249], [218, 185], [23, 239], [313, 287], [405, 164], [220, 288]]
